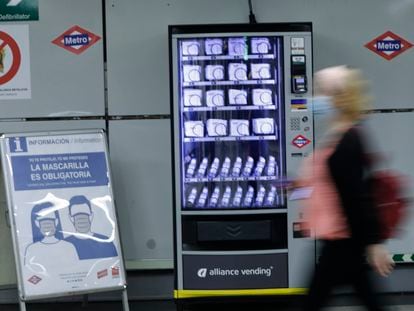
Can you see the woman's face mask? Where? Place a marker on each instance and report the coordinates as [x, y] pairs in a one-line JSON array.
[[323, 106]]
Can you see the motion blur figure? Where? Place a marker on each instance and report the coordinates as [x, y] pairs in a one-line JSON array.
[[340, 210]]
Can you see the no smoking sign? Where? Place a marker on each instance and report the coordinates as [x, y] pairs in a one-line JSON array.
[[15, 79], [8, 44]]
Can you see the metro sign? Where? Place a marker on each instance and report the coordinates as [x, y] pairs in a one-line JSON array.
[[76, 39], [300, 141], [388, 45], [34, 279]]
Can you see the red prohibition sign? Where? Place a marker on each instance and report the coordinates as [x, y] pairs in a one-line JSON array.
[[17, 58]]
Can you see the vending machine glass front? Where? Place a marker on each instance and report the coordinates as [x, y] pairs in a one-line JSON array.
[[231, 119]]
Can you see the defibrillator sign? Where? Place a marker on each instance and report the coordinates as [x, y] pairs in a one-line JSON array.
[[19, 10]]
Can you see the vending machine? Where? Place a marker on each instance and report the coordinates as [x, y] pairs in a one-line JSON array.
[[241, 118]]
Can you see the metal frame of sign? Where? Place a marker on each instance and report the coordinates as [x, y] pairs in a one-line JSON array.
[[12, 195]]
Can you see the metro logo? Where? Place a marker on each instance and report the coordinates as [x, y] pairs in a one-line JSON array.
[[388, 45], [300, 141], [76, 40]]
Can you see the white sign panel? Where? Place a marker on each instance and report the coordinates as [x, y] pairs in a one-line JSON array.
[[63, 216], [14, 62]]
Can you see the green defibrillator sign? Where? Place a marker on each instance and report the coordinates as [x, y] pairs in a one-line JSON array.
[[19, 10]]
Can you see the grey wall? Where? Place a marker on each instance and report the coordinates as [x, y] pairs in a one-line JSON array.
[[137, 99]]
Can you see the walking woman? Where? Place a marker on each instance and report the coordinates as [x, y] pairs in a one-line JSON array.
[[340, 211]]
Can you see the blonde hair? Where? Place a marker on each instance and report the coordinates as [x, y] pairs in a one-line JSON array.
[[348, 89]]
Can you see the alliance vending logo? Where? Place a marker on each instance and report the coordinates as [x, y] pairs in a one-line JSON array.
[[219, 272], [202, 273], [388, 45], [300, 141], [76, 39]]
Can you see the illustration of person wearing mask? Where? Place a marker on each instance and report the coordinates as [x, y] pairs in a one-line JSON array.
[[88, 244], [48, 244]]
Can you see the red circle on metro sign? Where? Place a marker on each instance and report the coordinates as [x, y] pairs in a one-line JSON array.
[[17, 57]]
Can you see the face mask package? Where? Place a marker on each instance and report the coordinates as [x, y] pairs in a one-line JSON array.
[[216, 127], [194, 129], [237, 97]]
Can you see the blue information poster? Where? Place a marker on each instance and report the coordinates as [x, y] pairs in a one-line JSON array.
[[60, 199]]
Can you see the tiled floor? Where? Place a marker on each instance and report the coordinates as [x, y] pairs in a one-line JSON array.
[[170, 306]]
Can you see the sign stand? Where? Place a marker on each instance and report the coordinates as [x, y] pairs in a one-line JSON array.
[[22, 305], [62, 214], [125, 304]]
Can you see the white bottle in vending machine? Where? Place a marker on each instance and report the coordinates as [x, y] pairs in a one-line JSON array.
[[237, 197], [203, 197], [271, 166], [248, 199], [225, 168], [271, 196], [225, 200], [214, 197], [191, 168], [260, 196], [214, 168], [202, 168], [192, 197], [259, 167], [237, 167], [248, 167]]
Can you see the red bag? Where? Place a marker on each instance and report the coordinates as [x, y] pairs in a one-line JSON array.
[[388, 193]]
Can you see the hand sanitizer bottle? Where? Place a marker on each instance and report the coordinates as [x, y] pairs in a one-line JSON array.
[[260, 196], [271, 166], [214, 197], [259, 167], [203, 198], [237, 167], [202, 168], [225, 200], [191, 168], [248, 199], [192, 197], [237, 197], [270, 199], [248, 167], [214, 168], [225, 168]]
